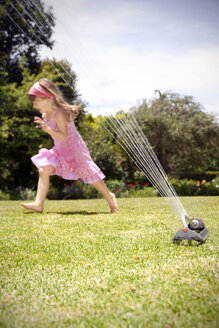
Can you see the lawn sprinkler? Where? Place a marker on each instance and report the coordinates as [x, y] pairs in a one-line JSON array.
[[195, 230]]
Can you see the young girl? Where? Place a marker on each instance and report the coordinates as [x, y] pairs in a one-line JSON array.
[[70, 157]]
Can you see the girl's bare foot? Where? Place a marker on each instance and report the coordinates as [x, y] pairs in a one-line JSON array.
[[113, 203], [33, 206]]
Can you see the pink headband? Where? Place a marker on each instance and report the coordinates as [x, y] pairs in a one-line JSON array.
[[38, 90]]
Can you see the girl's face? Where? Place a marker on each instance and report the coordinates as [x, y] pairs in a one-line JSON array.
[[43, 105]]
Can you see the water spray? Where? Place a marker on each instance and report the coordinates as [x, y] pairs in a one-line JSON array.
[[125, 129]]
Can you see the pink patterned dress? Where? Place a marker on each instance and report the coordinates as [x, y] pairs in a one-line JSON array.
[[71, 158]]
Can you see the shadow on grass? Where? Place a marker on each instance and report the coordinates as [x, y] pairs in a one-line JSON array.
[[79, 213], [188, 243], [68, 212]]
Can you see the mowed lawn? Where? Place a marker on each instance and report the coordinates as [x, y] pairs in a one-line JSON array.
[[76, 265]]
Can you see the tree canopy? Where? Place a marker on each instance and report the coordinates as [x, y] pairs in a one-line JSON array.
[[24, 27], [184, 137]]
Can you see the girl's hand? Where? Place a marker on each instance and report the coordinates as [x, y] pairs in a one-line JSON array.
[[61, 133], [41, 123]]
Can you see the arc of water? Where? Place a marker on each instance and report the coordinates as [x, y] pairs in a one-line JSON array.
[[143, 157]]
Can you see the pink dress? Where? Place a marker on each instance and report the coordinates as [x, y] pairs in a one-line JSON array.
[[71, 158]]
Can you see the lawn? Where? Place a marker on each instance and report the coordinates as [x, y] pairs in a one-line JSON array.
[[76, 265]]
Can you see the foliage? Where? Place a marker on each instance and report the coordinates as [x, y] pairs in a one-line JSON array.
[[183, 187], [4, 196], [186, 187], [103, 148], [76, 265], [79, 190], [23, 194], [136, 193], [184, 137], [22, 34], [123, 189], [73, 190]]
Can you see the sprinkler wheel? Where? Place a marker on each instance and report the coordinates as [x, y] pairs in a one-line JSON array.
[[196, 224]]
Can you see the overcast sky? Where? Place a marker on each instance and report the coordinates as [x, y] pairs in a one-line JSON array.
[[122, 50]]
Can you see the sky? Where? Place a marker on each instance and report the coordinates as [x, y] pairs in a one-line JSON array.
[[124, 50]]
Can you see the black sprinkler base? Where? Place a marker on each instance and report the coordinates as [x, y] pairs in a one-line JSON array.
[[188, 234]]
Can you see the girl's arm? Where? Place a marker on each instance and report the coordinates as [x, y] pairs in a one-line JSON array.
[[61, 123]]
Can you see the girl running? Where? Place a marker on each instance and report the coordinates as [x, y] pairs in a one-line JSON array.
[[70, 157]]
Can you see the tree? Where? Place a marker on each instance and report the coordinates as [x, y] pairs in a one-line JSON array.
[[24, 27], [184, 137]]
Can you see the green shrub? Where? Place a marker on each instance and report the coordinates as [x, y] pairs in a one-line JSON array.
[[23, 194], [183, 187], [145, 192], [115, 185], [4, 196], [136, 189], [79, 190], [186, 187], [54, 193]]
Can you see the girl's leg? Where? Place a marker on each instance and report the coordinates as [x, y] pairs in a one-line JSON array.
[[42, 189], [109, 196]]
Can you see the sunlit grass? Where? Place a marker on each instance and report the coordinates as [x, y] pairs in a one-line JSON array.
[[76, 265]]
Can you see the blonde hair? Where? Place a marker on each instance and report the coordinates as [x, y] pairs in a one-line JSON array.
[[70, 110]]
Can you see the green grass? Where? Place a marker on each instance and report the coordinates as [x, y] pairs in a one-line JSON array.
[[75, 265]]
